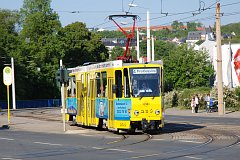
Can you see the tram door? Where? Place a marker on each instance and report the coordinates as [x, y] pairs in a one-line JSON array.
[[82, 100], [88, 102], [118, 94], [79, 101], [110, 102], [92, 101]]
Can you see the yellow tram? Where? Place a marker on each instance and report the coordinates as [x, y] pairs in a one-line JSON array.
[[118, 96]]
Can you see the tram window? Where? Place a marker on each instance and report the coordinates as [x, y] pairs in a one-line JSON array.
[[88, 85], [162, 81], [98, 84], [118, 82], [126, 83], [104, 84]]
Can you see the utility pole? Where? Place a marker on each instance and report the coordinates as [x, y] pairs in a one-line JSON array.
[[219, 62], [148, 38], [63, 100], [13, 85], [153, 54]]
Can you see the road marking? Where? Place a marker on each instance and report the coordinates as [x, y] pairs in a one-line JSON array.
[[120, 150], [192, 157], [159, 139], [110, 137], [190, 141], [144, 156], [9, 139], [10, 159], [50, 144], [96, 148]]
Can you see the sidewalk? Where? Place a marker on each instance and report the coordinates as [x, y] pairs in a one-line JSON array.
[[201, 113]]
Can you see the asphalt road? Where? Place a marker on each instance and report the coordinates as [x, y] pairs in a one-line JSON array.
[[184, 137]]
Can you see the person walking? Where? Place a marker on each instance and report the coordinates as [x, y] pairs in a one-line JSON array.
[[207, 100], [196, 103], [193, 105]]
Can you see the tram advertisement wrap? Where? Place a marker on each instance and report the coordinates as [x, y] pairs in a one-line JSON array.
[[122, 109], [71, 105], [102, 108]]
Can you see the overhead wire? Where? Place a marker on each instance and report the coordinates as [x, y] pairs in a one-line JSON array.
[[202, 9]]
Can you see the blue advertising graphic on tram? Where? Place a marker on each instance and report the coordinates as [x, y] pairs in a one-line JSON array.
[[122, 109], [71, 105], [102, 108]]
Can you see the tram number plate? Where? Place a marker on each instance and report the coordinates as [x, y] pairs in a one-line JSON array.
[[146, 111], [123, 124]]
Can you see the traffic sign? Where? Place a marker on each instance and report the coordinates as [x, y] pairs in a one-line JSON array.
[[7, 76]]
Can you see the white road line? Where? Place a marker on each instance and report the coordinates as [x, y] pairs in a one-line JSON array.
[[158, 139], [120, 150], [50, 144], [192, 157], [189, 141], [109, 137], [9, 139], [10, 159], [96, 148]]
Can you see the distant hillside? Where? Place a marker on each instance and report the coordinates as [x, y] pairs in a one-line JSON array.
[[230, 28]]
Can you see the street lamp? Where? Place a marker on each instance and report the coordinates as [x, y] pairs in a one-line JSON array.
[[148, 32]]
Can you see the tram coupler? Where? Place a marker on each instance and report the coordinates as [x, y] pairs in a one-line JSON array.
[[151, 125]]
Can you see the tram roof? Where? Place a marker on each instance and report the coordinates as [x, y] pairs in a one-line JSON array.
[[109, 64]]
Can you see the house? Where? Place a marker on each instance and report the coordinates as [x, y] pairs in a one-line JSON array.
[[229, 51]]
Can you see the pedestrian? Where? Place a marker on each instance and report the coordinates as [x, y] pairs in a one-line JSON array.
[[207, 100], [196, 103], [193, 104]]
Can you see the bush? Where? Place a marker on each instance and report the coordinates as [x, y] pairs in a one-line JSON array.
[[170, 99], [183, 98], [230, 97]]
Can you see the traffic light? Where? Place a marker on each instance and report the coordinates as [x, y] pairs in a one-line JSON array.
[[62, 75]]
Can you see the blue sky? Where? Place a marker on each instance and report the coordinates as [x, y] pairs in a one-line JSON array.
[[95, 12]]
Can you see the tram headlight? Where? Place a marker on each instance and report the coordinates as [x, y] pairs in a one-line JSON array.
[[157, 112], [136, 112]]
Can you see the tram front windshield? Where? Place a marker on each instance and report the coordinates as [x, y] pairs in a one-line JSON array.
[[145, 82]]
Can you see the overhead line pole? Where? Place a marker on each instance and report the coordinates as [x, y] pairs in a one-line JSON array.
[[148, 38], [219, 62]]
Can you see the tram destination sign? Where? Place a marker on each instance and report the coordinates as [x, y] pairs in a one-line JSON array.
[[145, 71]]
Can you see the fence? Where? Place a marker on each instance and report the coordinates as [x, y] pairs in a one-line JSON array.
[[32, 103]]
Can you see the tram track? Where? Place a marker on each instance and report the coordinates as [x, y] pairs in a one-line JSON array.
[[210, 138], [215, 140]]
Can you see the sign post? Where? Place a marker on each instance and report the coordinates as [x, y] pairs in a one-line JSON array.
[[7, 80]]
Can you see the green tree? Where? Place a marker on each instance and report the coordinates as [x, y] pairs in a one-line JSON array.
[[116, 52], [80, 45], [9, 42], [187, 68], [191, 26], [111, 34], [176, 25], [40, 49]]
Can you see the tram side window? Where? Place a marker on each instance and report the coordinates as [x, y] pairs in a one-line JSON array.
[[71, 87], [98, 84], [104, 84], [118, 82], [162, 82], [126, 84]]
